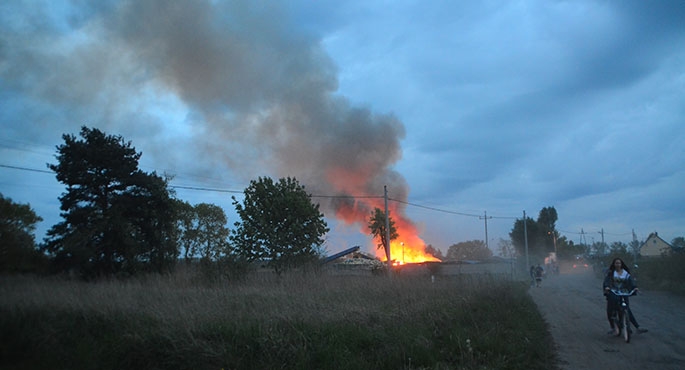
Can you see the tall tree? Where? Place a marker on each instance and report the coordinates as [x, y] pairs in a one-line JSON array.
[[377, 228], [185, 216], [547, 218], [17, 243], [201, 230], [536, 245], [150, 210], [542, 234], [279, 223], [115, 217]]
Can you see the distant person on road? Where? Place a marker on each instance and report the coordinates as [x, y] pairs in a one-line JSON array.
[[618, 278], [532, 275], [538, 275]]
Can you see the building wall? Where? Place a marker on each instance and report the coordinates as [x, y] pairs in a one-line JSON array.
[[654, 246]]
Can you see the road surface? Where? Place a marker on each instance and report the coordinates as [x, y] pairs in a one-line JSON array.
[[575, 309]]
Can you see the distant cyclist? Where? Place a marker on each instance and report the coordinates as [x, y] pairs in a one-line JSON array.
[[539, 271], [618, 278]]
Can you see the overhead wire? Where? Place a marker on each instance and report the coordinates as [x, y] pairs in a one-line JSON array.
[[26, 169], [430, 208], [434, 208]]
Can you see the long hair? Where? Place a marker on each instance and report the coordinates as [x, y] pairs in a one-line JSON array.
[[612, 268]]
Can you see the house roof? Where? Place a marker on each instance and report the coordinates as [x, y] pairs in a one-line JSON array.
[[654, 235]]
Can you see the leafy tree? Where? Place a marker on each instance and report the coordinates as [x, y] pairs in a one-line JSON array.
[[149, 210], [517, 235], [618, 248], [541, 233], [201, 231], [547, 218], [18, 251], [377, 227], [469, 250], [211, 234], [279, 223], [185, 215], [116, 218]]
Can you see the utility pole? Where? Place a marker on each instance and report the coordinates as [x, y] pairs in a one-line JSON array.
[[485, 217], [553, 233], [387, 229], [525, 238]]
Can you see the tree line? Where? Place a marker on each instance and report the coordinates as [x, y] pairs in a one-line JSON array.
[[120, 220]]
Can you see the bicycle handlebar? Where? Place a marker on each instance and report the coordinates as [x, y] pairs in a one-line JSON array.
[[625, 294]]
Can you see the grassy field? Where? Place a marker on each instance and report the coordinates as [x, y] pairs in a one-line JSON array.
[[313, 321]]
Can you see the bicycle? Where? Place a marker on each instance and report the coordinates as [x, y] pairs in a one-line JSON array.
[[621, 315]]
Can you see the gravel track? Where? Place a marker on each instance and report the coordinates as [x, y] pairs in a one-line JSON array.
[[574, 307]]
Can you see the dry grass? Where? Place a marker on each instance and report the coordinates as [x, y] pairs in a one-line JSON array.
[[293, 321]]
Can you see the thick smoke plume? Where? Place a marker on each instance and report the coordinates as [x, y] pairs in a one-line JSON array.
[[259, 94]]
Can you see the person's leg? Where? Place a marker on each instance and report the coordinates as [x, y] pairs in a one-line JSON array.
[[611, 308], [631, 317]]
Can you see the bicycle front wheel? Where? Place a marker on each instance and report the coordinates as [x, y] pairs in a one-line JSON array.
[[625, 323]]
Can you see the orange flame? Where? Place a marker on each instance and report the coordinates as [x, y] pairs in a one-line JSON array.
[[407, 248]]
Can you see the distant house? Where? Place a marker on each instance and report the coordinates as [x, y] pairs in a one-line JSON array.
[[654, 246]]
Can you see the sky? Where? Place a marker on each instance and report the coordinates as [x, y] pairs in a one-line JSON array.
[[469, 113]]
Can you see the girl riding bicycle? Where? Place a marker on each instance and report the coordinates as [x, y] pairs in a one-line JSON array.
[[618, 278]]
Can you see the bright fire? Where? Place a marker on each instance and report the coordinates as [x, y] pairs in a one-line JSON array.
[[407, 248]]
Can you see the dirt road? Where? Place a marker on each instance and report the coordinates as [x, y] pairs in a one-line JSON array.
[[573, 305]]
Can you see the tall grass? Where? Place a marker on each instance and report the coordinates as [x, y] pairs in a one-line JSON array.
[[663, 273], [296, 321]]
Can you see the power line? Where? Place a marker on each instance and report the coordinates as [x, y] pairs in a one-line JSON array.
[[313, 196], [449, 211], [435, 209], [591, 232], [204, 189], [197, 188], [26, 169]]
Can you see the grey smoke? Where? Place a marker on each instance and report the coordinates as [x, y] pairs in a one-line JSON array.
[[260, 91]]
